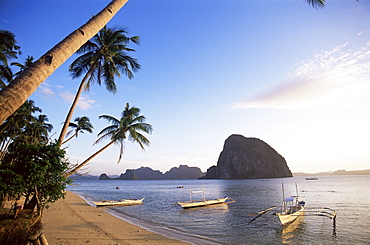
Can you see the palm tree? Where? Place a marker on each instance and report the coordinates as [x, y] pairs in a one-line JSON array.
[[8, 51], [103, 58], [82, 124], [37, 131], [130, 126], [15, 126], [17, 92], [22, 67]]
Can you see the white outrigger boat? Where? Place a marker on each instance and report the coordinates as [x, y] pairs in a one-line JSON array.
[[123, 202], [291, 208], [294, 207], [203, 202]]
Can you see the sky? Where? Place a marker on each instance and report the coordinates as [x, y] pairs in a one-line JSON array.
[[296, 77]]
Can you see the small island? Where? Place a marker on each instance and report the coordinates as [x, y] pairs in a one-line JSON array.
[[248, 158]]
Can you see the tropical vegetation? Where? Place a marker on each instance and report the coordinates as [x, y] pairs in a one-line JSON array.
[[80, 125], [8, 51], [16, 93], [130, 126], [103, 58]]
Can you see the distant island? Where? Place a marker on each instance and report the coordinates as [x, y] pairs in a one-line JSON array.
[[337, 172], [146, 173], [241, 158]]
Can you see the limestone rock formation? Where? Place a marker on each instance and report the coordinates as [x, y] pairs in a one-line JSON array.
[[183, 172], [146, 173], [248, 158]]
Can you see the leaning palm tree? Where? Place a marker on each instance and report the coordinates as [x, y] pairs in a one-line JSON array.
[[103, 58], [17, 92], [130, 126], [82, 124]]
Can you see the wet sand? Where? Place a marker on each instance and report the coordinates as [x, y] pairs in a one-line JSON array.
[[73, 221]]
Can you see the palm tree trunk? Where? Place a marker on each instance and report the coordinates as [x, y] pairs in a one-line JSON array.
[[17, 92], [69, 138], [69, 173], [72, 109]]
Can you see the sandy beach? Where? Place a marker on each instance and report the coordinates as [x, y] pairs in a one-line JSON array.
[[73, 221]]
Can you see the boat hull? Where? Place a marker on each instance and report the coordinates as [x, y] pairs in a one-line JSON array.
[[123, 202], [193, 204], [286, 219]]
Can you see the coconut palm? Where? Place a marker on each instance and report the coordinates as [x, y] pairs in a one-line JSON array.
[[130, 126], [22, 67], [17, 92], [20, 124], [82, 124], [36, 131], [103, 58], [8, 51]]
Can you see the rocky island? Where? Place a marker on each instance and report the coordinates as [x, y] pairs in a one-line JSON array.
[[248, 158], [146, 173]]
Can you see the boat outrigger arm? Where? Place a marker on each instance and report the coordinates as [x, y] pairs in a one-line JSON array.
[[327, 212]]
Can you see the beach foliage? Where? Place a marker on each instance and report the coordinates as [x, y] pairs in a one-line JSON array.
[[35, 172], [24, 125]]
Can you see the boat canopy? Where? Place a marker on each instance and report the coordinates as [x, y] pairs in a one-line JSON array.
[[290, 199]]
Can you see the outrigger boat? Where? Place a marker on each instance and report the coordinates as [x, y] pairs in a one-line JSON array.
[[294, 207], [123, 202], [203, 202]]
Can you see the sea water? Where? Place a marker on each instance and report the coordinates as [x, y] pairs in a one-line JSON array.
[[231, 223]]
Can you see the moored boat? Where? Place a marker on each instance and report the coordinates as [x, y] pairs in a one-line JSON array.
[[200, 203], [312, 178], [203, 202], [292, 207], [123, 202]]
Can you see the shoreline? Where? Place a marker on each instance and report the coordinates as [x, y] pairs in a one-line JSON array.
[[73, 221]]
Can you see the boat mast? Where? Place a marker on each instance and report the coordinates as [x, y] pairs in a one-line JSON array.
[[296, 189], [284, 203]]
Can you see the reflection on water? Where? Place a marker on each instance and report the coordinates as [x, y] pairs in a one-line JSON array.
[[229, 223], [294, 229]]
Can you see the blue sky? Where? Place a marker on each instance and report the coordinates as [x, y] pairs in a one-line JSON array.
[[281, 71]]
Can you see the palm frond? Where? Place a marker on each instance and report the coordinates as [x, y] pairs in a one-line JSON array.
[[316, 3]]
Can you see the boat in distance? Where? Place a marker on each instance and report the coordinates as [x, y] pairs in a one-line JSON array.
[[201, 203], [123, 202]]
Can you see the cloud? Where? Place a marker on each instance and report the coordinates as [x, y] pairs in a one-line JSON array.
[[46, 91], [84, 103], [338, 77]]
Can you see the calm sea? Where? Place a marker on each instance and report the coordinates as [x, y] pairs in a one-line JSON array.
[[230, 223]]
